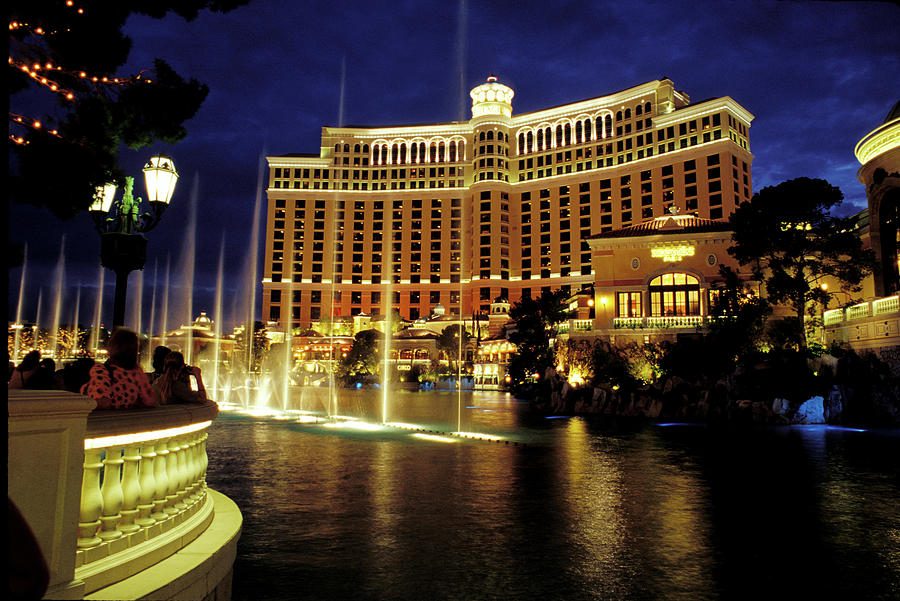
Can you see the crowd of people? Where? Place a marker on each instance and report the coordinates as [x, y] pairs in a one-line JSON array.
[[119, 382]]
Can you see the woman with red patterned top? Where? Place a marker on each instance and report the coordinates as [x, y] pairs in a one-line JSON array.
[[120, 383]]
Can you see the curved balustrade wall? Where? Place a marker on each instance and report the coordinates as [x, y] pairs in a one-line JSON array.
[[141, 474], [139, 485]]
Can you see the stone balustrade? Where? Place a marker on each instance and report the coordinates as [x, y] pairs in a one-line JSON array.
[[674, 321], [871, 325], [110, 493]]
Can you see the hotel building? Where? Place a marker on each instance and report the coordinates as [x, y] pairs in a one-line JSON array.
[[461, 213]]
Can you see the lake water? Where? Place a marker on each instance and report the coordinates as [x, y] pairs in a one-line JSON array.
[[567, 508]]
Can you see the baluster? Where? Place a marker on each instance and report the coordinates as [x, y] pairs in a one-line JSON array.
[[91, 500], [183, 483], [194, 468], [173, 475], [160, 474], [204, 460], [148, 485], [112, 494], [131, 489]]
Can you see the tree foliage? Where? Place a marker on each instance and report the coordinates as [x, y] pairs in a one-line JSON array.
[[362, 358], [250, 353], [62, 74], [535, 324], [448, 343], [792, 241]]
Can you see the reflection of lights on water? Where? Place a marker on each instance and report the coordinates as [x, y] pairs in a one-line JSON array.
[[827, 427], [307, 419], [354, 425], [558, 417], [434, 437]]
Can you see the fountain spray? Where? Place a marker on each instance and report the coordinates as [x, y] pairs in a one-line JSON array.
[[17, 342], [94, 343], [57, 305]]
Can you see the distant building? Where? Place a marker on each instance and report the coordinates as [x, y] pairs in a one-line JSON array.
[[457, 214]]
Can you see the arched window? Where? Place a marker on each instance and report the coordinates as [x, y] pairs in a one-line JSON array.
[[356, 148], [674, 294], [453, 151], [628, 113], [559, 136], [395, 153], [403, 153], [365, 148], [540, 139], [647, 107], [490, 134], [567, 133], [548, 137], [638, 110], [481, 136], [337, 147], [432, 152], [421, 152], [346, 148], [609, 126], [587, 130], [618, 116], [384, 154], [529, 142], [442, 156]]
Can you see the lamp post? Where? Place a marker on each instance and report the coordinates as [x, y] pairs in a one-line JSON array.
[[123, 247]]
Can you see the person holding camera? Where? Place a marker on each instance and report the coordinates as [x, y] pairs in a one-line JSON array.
[[175, 385]]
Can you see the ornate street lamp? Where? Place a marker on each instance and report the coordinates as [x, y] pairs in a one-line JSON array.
[[123, 248]]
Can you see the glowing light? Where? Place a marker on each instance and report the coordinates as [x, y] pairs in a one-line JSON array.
[[355, 425], [671, 253], [434, 438], [126, 439]]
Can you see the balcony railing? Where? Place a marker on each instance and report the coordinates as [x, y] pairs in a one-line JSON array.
[[143, 494], [673, 321], [880, 306]]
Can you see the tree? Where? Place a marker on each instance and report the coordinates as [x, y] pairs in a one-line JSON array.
[[791, 240], [250, 355], [362, 359], [59, 50], [534, 326], [448, 343]]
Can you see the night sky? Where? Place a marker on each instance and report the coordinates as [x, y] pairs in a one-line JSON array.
[[818, 76]]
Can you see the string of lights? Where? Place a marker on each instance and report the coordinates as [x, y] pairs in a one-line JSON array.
[[47, 74], [34, 124]]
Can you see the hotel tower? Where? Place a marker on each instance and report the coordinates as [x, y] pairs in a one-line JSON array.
[[461, 213]]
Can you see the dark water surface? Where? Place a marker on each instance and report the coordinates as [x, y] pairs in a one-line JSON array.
[[563, 509]]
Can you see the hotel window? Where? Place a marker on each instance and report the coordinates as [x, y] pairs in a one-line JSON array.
[[674, 294], [628, 304]]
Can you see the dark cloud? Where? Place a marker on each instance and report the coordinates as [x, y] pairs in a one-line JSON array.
[[817, 76]]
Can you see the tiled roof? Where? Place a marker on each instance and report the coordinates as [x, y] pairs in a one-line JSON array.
[[669, 224]]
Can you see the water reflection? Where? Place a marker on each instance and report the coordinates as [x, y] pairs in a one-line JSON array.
[[580, 510]]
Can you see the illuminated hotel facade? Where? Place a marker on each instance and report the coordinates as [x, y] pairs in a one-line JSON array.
[[459, 214]]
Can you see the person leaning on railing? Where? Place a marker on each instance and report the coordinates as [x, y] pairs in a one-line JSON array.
[[174, 385], [120, 383]]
